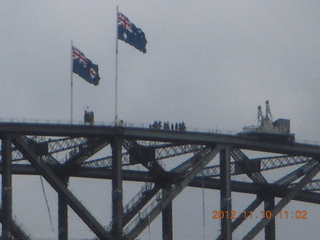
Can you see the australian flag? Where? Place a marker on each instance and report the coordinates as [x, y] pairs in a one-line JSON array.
[[84, 67], [129, 33]]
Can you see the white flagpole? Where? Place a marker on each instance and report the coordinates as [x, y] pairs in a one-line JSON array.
[[116, 75], [71, 104]]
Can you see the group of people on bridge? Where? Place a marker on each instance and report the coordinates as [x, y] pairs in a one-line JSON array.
[[181, 126]]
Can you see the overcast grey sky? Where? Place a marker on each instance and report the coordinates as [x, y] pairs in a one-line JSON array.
[[208, 63]]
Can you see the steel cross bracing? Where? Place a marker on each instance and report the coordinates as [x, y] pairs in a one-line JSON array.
[[266, 164], [58, 152], [52, 146], [17, 229], [163, 151]]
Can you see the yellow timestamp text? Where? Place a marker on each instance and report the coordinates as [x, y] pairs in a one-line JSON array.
[[299, 214]]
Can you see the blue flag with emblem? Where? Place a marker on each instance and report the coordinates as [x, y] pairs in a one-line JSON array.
[[84, 67], [130, 34]]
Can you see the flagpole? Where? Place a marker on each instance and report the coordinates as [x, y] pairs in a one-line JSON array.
[[71, 103], [116, 74]]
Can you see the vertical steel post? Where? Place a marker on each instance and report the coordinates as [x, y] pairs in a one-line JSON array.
[[117, 191], [225, 193], [167, 233], [270, 228], [6, 186], [63, 213]]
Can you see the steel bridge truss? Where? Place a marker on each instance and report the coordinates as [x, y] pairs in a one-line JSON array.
[[58, 152]]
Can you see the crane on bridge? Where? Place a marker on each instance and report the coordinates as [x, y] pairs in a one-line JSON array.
[[269, 129]]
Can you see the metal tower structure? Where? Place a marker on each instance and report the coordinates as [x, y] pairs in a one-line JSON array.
[[209, 159]]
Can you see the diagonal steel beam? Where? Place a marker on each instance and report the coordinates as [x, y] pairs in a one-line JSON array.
[[53, 146], [17, 230], [144, 198], [173, 190], [297, 173], [145, 156], [88, 149], [313, 185], [283, 202], [58, 185], [146, 194]]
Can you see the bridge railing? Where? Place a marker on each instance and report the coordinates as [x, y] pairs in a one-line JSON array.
[[107, 123]]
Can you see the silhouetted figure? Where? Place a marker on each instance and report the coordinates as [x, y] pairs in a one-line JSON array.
[[88, 117]]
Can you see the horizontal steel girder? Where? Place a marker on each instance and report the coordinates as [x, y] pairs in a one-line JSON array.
[[210, 183], [238, 141]]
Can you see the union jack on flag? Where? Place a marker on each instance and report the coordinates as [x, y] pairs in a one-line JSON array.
[[84, 67], [124, 22], [130, 34]]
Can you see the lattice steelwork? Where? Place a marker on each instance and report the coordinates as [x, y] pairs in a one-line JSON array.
[[58, 152]]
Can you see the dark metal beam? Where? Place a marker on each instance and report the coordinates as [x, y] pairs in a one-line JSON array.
[[58, 185], [6, 186], [117, 190], [225, 192], [270, 228], [10, 228], [160, 135], [167, 229], [63, 212]]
